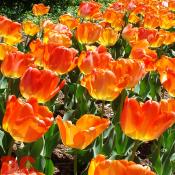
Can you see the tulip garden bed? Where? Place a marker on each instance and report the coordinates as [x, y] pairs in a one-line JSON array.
[[89, 92]]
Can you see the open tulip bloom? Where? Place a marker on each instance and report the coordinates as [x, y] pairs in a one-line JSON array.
[[87, 128]]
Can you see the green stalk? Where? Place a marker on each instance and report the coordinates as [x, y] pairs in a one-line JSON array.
[[75, 163], [102, 113], [134, 149], [10, 148]]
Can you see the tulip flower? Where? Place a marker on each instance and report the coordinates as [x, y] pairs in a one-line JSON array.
[[88, 33], [30, 28], [26, 121], [41, 51], [61, 60], [151, 20], [165, 66], [58, 34], [130, 33], [16, 63], [109, 16], [5, 49], [108, 37], [86, 130], [40, 9], [146, 121], [40, 84], [132, 70], [89, 9], [98, 58], [140, 51], [69, 21], [104, 84], [99, 165], [10, 31]]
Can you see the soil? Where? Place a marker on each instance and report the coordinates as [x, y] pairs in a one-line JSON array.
[[63, 161]]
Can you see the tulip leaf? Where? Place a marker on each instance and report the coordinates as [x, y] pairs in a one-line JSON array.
[[144, 87], [51, 143], [37, 147], [49, 167], [2, 134]]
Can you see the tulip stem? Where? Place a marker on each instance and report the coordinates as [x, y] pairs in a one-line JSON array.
[[75, 163], [134, 149], [103, 108], [102, 113], [10, 147]]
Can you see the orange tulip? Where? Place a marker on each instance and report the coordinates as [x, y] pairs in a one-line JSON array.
[[130, 33], [151, 20], [151, 35], [104, 84], [146, 121], [140, 51], [171, 5], [109, 16], [30, 28], [40, 84], [58, 34], [89, 9], [41, 51], [86, 130], [16, 63], [167, 79], [98, 58], [165, 63], [26, 121], [10, 31], [69, 21], [108, 37], [5, 49], [99, 165], [132, 70], [88, 33], [61, 60], [40, 9]]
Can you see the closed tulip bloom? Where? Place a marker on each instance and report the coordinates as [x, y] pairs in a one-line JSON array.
[[16, 63], [26, 121], [69, 21], [61, 60], [108, 37], [5, 49], [40, 9], [40, 84], [104, 84], [30, 28], [86, 130], [88, 33], [99, 165], [146, 121], [98, 58]]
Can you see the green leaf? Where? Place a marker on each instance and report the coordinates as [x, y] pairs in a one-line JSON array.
[[49, 167], [37, 147]]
